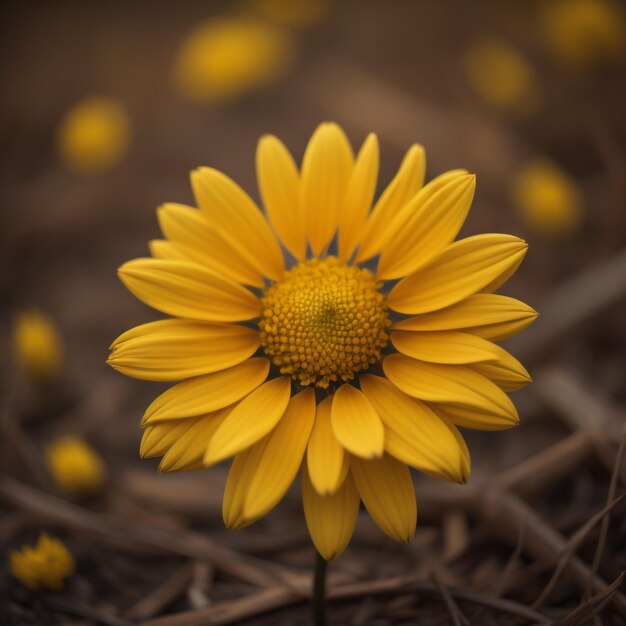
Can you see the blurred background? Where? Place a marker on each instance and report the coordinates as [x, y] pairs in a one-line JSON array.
[[105, 109]]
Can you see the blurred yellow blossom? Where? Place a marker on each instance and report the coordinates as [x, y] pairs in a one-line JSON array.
[[292, 12], [585, 32], [548, 198], [94, 135], [47, 565], [224, 58], [75, 466], [501, 75], [37, 345]]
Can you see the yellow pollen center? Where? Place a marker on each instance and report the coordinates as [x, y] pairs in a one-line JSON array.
[[325, 321]]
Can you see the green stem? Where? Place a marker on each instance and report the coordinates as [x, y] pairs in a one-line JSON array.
[[319, 591]]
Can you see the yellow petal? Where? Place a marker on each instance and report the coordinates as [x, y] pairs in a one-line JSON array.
[[487, 315], [326, 460], [414, 434], [453, 384], [261, 475], [463, 269], [254, 417], [355, 423], [499, 280], [208, 393], [239, 476], [469, 417], [406, 183], [330, 519], [506, 372], [466, 467], [158, 438], [168, 250], [359, 197], [188, 290], [279, 186], [436, 215], [326, 170], [187, 450], [204, 244], [443, 346], [386, 488], [232, 212], [176, 349]]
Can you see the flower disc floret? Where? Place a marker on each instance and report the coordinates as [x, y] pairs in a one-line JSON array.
[[325, 321]]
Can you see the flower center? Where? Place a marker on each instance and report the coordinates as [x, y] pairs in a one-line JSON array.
[[325, 321]]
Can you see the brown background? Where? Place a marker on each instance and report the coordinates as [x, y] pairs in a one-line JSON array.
[[390, 67]]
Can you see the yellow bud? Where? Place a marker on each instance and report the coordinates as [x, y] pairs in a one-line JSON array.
[[224, 58], [75, 466], [46, 565], [501, 76], [583, 33], [94, 135], [37, 345], [548, 198]]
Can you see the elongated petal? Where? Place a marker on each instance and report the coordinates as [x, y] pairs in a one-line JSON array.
[[168, 250], [463, 269], [499, 280], [254, 417], [453, 384], [239, 476], [282, 456], [465, 454], [279, 186], [188, 290], [326, 460], [386, 488], [208, 393], [261, 475], [406, 183], [355, 423], [436, 216], [326, 170], [414, 434], [231, 211], [506, 372], [189, 447], [176, 349], [158, 438], [204, 244], [443, 346], [359, 197], [330, 519], [471, 417], [487, 315]]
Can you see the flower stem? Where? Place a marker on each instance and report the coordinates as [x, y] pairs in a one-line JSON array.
[[319, 591]]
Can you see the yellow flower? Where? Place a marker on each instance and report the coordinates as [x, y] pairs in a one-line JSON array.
[[94, 135], [585, 32], [37, 345], [355, 364], [75, 466], [222, 59], [45, 566], [548, 198], [501, 76], [292, 12]]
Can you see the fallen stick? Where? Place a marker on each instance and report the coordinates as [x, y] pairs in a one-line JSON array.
[[507, 515], [232, 611], [567, 393], [121, 531], [570, 305]]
